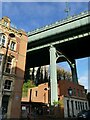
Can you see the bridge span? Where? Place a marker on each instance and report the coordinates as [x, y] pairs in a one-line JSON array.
[[66, 40], [70, 36]]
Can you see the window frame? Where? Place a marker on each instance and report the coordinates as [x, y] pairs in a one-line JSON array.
[[76, 105], [5, 23], [36, 93], [8, 65], [2, 39], [7, 85], [1, 58], [86, 105], [13, 45], [74, 91]]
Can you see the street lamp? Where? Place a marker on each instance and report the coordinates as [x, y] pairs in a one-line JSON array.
[[48, 105], [11, 35], [70, 92]]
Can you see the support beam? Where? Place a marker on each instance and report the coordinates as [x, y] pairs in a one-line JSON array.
[[72, 64], [74, 72], [53, 75]]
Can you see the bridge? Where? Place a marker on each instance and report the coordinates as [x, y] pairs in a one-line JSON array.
[[64, 40]]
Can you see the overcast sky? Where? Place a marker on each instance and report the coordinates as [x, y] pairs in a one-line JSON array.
[[32, 15]]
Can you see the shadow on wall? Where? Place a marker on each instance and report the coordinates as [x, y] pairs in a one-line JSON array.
[[12, 92]]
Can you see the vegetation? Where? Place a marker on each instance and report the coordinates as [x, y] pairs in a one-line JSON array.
[[32, 80], [26, 86], [42, 75], [62, 74], [56, 103]]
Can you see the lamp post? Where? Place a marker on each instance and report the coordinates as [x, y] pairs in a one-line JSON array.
[[48, 89], [70, 92], [11, 35]]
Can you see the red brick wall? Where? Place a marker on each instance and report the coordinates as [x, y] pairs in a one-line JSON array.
[[42, 95], [64, 86], [14, 106]]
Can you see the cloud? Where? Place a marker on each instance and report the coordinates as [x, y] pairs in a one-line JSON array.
[[32, 15], [83, 80], [78, 7]]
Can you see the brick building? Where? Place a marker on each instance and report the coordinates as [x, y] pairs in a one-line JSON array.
[[74, 103], [39, 97], [13, 46]]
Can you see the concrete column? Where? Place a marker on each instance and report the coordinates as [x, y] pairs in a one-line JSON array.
[[70, 107], [74, 107], [74, 72], [53, 75]]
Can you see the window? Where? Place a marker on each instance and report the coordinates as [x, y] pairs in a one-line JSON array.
[[68, 110], [74, 91], [36, 93], [9, 64], [7, 84], [72, 106], [2, 40], [13, 69], [80, 105], [76, 104], [44, 97], [23, 107], [5, 23], [86, 105], [83, 105], [81, 93], [12, 46], [78, 92], [0, 59]]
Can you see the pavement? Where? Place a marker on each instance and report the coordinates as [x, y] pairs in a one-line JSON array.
[[40, 117], [43, 118]]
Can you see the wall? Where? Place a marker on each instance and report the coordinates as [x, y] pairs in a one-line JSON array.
[[74, 106], [14, 103]]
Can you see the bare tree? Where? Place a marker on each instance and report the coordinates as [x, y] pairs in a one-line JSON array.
[[62, 74]]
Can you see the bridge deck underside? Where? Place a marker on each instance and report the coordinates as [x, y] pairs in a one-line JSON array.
[[74, 49]]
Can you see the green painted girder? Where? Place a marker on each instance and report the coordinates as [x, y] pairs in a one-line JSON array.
[[59, 27]]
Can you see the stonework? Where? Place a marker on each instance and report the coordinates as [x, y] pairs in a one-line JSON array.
[[13, 54]]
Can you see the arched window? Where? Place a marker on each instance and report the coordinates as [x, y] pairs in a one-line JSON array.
[[2, 39], [12, 45], [5, 23]]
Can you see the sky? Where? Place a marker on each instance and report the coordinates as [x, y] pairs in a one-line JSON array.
[[32, 15]]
